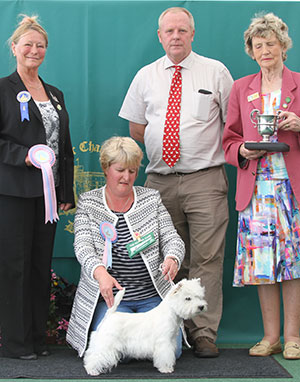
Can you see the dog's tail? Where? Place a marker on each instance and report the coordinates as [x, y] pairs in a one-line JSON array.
[[118, 299]]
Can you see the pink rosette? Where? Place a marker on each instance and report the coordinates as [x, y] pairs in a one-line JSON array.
[[43, 157], [109, 234]]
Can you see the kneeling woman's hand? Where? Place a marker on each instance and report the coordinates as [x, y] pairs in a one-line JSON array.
[[106, 284], [170, 268]]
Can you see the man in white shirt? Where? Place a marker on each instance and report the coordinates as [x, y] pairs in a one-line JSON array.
[[194, 189]]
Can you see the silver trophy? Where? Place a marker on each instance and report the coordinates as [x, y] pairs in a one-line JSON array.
[[267, 126]]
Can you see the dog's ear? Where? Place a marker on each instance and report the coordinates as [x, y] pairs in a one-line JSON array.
[[178, 287], [198, 280]]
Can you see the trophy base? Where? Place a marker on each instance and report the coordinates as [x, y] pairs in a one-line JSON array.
[[268, 146]]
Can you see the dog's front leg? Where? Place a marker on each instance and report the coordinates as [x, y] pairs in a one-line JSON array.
[[164, 357]]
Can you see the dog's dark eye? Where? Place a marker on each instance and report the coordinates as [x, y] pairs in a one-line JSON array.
[[188, 299]]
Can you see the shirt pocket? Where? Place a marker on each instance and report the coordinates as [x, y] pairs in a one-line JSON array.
[[202, 104]]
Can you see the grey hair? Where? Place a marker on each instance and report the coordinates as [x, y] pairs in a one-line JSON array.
[[263, 25], [177, 10]]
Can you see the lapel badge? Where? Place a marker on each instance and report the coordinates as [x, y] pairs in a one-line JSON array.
[[288, 99], [286, 103], [23, 96], [59, 107], [253, 96], [137, 235], [53, 97]]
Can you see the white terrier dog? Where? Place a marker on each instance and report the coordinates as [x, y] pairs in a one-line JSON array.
[[149, 335]]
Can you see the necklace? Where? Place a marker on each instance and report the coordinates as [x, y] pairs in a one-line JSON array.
[[123, 209], [28, 78], [34, 87]]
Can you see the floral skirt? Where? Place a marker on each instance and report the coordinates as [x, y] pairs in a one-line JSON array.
[[268, 238]]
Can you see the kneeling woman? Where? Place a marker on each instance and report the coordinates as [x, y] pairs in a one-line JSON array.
[[124, 237]]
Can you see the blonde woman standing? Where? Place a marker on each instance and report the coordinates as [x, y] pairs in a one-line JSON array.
[[31, 113]]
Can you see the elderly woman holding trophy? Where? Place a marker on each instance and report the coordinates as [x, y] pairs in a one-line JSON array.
[[267, 156]]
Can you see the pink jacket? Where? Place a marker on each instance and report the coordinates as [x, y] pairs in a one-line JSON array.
[[239, 129]]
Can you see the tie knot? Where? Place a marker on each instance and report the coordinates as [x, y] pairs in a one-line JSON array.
[[177, 68]]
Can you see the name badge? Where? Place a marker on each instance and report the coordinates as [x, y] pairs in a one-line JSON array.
[[253, 96], [140, 244]]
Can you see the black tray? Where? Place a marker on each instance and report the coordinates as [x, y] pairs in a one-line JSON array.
[[268, 146]]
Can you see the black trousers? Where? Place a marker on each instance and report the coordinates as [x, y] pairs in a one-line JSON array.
[[26, 246]]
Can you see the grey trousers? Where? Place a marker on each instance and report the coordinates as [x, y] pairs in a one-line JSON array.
[[197, 203]]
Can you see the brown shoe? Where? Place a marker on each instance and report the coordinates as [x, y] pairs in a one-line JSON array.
[[205, 347]]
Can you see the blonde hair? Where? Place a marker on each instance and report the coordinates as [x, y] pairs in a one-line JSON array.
[[120, 150], [263, 25], [177, 10], [27, 24]]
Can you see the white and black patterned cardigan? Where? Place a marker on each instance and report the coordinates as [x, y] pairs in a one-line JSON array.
[[147, 214]]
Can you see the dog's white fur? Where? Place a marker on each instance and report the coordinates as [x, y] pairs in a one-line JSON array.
[[149, 335]]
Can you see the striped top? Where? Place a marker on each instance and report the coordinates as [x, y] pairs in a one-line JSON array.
[[130, 273]]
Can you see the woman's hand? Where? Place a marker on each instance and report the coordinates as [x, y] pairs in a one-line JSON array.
[[28, 161], [250, 154], [170, 268], [65, 206], [106, 284], [290, 122]]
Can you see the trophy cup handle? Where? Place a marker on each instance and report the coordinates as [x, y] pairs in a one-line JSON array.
[[277, 121], [253, 115], [277, 115]]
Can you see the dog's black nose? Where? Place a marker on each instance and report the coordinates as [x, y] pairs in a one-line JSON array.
[[201, 307]]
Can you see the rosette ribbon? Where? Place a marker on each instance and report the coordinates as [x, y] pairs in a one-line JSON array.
[[109, 234], [43, 157], [24, 97]]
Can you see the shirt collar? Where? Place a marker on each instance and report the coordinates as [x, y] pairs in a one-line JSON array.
[[186, 63]]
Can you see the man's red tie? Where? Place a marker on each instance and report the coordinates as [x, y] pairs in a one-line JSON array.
[[171, 149]]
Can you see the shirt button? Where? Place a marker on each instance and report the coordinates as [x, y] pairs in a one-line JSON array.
[[253, 173]]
